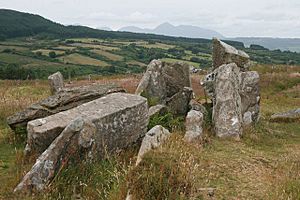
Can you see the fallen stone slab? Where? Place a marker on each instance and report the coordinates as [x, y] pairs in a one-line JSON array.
[[56, 82], [227, 113], [289, 116], [120, 119], [63, 100], [63, 148], [153, 139], [224, 54], [193, 124]]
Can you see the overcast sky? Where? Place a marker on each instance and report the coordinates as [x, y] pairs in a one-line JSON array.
[[232, 18]]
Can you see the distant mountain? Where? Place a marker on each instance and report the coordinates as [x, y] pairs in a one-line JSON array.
[[104, 28], [177, 31], [291, 44]]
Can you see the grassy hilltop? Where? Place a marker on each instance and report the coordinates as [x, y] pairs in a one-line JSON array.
[[264, 164]]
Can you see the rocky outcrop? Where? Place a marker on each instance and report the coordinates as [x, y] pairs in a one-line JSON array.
[[289, 116], [193, 125], [64, 147], [120, 120], [166, 84], [153, 139], [56, 82], [227, 108], [63, 100], [225, 54]]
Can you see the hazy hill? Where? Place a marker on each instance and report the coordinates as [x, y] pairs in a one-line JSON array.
[[177, 31], [291, 44]]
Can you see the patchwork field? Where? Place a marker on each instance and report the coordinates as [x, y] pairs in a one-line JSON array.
[[82, 60]]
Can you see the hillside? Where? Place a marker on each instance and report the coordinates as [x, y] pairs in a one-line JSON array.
[[285, 44], [33, 47]]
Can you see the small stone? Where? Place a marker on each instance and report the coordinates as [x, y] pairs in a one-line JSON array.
[[193, 124], [56, 82], [153, 139]]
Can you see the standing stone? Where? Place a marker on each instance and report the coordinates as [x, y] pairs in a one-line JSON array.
[[64, 147], [120, 119], [162, 81], [225, 54], [227, 109], [63, 100], [250, 96], [193, 124], [56, 82], [153, 139]]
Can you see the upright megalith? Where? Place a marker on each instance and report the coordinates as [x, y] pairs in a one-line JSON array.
[[120, 120], [56, 82], [233, 90], [227, 108], [63, 100], [166, 84], [225, 54]]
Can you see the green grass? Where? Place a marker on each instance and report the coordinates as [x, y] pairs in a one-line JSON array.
[[172, 60], [82, 60]]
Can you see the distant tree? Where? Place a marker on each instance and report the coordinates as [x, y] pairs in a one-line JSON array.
[[38, 53], [52, 54]]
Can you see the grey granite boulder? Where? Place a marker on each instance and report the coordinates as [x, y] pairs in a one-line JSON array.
[[250, 95], [120, 119], [289, 116], [178, 104], [227, 108], [153, 139], [193, 124], [56, 82], [225, 54], [64, 147], [163, 83], [63, 100]]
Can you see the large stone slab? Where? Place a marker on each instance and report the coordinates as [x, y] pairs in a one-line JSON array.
[[162, 80], [62, 149], [224, 54], [120, 119], [63, 100], [288, 116], [227, 113]]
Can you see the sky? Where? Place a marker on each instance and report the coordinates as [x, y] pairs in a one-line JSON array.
[[232, 18]]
